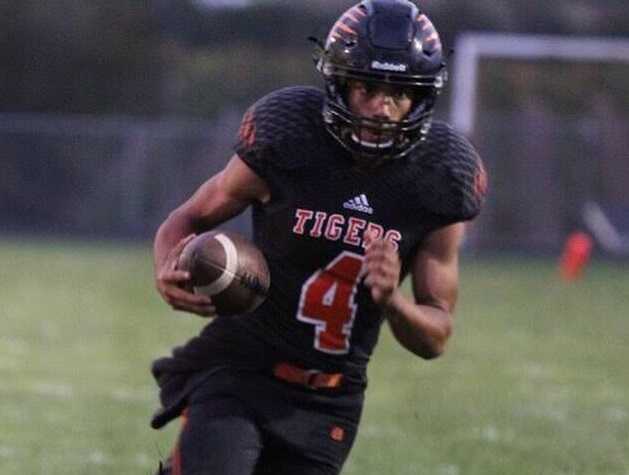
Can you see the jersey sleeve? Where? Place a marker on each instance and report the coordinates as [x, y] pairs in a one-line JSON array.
[[468, 175], [273, 129], [459, 183], [257, 144]]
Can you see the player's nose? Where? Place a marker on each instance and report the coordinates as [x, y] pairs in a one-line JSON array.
[[381, 106]]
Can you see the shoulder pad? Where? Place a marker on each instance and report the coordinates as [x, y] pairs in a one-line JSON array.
[[458, 179], [273, 129]]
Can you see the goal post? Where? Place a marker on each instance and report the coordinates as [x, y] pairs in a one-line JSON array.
[[550, 115], [471, 48]]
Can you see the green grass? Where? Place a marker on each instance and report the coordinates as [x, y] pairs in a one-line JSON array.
[[535, 380]]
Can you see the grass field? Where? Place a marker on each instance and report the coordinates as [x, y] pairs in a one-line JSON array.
[[535, 382]]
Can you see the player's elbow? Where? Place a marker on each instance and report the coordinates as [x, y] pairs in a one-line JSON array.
[[424, 333], [429, 351], [430, 348], [185, 220], [432, 352]]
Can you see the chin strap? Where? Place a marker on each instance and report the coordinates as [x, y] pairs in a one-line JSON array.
[[372, 145], [319, 50]]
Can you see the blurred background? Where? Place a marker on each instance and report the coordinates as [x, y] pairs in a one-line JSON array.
[[111, 113]]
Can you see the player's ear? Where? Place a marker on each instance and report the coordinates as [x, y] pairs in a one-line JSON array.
[[319, 49], [343, 86]]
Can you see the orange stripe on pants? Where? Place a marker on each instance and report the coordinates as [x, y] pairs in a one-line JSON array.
[[176, 456]]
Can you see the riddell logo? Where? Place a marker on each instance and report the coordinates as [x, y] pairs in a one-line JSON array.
[[397, 68]]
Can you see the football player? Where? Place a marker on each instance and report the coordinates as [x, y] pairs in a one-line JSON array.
[[352, 188]]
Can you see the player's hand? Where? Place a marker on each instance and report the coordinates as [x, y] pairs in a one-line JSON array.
[[174, 285], [382, 266]]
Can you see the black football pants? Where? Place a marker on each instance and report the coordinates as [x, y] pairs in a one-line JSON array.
[[260, 426]]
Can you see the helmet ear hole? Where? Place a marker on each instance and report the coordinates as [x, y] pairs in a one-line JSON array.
[[421, 94], [338, 87]]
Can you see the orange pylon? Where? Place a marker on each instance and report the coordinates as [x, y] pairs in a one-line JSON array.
[[575, 256]]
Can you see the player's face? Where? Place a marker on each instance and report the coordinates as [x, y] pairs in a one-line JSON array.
[[372, 100]]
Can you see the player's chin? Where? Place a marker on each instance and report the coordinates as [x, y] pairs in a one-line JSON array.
[[373, 139]]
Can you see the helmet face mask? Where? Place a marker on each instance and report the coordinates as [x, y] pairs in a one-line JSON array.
[[381, 42]]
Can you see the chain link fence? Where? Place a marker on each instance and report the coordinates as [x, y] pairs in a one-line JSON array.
[[120, 177], [105, 177]]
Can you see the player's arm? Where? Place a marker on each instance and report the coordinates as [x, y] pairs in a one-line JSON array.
[[423, 324], [220, 198]]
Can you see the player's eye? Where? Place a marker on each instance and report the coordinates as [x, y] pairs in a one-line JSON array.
[[364, 88], [401, 93], [369, 88], [397, 93]]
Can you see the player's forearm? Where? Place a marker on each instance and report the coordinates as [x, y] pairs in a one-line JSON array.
[[421, 329], [176, 227]]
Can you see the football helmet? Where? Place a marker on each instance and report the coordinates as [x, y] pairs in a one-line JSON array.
[[381, 41]]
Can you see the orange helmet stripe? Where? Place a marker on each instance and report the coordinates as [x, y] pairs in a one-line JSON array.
[[342, 26], [350, 16], [359, 11]]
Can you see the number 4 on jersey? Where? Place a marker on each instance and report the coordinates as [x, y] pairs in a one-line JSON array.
[[327, 301]]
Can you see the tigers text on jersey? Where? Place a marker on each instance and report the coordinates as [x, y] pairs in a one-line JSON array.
[[334, 227], [318, 313]]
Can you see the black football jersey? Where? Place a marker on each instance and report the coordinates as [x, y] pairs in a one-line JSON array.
[[321, 205], [318, 313]]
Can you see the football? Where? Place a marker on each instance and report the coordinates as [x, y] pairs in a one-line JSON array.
[[229, 268]]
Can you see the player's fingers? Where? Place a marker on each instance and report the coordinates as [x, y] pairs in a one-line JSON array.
[[373, 257], [172, 279], [372, 272], [182, 243], [368, 237], [378, 264], [201, 310], [375, 273], [390, 264], [381, 250], [386, 258], [380, 279], [175, 276], [388, 251], [175, 252], [372, 243], [175, 295], [376, 294]]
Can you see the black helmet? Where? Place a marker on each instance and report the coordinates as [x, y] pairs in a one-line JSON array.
[[386, 41]]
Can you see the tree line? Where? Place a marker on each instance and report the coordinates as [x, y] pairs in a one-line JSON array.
[[166, 57]]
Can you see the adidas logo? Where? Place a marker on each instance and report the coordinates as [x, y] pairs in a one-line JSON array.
[[359, 203]]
